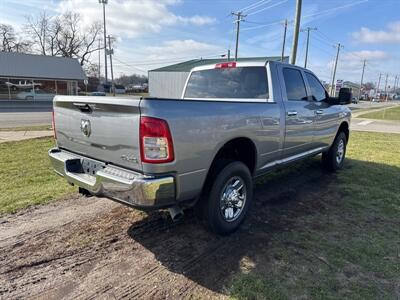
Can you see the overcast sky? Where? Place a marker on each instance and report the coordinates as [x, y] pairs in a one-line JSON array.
[[154, 33]]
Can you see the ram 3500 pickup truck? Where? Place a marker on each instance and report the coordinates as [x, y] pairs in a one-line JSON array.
[[235, 121]]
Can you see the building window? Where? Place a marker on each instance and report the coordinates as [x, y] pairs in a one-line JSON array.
[[21, 89], [4, 89], [44, 90]]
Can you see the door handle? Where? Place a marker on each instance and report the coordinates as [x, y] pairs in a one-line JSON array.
[[292, 113], [319, 112]]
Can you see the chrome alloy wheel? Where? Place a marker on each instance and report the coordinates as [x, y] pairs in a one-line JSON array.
[[340, 152], [233, 198]]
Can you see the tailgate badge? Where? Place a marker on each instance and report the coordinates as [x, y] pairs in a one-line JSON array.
[[85, 127]]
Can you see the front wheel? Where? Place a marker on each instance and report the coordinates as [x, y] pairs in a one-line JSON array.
[[334, 159], [229, 198]]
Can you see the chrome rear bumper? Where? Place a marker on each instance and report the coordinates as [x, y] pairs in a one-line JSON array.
[[119, 184]]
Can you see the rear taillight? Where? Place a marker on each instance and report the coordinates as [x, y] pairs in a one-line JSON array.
[[53, 124], [155, 141], [230, 64]]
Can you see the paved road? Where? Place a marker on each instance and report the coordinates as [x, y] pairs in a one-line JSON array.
[[25, 106], [359, 124], [24, 113], [21, 119], [365, 105]]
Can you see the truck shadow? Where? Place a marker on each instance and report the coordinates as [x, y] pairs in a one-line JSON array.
[[281, 198]]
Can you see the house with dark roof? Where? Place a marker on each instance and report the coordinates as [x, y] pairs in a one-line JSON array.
[[38, 77], [169, 81]]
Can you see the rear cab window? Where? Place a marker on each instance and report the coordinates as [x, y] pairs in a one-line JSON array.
[[228, 83]]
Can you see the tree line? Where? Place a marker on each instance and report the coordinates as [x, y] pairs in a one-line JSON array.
[[62, 35]]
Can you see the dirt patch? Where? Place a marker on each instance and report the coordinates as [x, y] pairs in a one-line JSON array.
[[91, 248]]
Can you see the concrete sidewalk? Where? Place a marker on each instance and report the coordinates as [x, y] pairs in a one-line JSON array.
[[13, 136]]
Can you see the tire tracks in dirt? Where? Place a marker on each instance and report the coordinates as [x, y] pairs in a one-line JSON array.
[[122, 253]]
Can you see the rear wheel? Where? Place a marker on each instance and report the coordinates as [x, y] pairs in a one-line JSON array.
[[334, 159], [229, 197]]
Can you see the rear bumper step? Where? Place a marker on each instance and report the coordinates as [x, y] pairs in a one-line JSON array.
[[126, 186]]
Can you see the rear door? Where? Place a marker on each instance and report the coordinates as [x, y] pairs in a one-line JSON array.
[[299, 112], [103, 128]]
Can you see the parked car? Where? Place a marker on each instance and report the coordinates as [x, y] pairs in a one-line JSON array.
[[233, 123], [97, 93], [137, 88], [119, 89], [35, 95]]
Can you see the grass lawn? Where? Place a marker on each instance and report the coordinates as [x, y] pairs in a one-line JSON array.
[[28, 128], [392, 114], [347, 245], [26, 177]]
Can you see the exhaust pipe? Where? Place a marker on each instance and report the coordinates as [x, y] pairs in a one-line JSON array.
[[85, 192], [176, 213]]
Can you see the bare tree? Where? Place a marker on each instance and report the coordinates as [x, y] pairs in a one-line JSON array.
[[11, 41], [8, 37], [64, 35]]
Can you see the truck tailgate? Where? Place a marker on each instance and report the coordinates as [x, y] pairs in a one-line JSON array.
[[103, 128]]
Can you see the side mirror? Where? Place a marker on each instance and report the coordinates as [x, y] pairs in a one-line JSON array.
[[345, 96]]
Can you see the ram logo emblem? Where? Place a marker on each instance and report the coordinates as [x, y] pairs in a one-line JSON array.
[[85, 127]]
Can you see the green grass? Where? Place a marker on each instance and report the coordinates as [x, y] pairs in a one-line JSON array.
[[28, 128], [391, 114], [348, 247], [26, 176]]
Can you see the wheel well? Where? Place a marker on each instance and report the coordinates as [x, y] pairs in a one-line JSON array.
[[240, 149], [344, 127]]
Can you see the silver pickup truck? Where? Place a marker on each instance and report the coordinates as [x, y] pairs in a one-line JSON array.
[[235, 121]]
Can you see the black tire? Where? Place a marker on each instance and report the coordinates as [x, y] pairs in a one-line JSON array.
[[330, 159], [223, 179]]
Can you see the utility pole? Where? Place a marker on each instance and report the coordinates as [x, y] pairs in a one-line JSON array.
[[386, 95], [296, 32], [229, 54], [308, 29], [362, 78], [99, 61], [334, 69], [379, 83], [284, 40], [104, 2], [240, 17], [111, 52]]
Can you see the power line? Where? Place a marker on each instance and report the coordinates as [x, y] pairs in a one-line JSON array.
[[167, 60], [334, 9], [268, 7], [255, 5], [262, 25]]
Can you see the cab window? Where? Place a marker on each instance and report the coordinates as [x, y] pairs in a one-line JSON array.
[[318, 92]]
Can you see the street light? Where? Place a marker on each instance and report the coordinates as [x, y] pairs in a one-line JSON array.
[[104, 2]]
